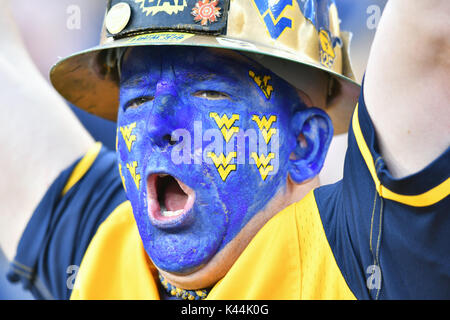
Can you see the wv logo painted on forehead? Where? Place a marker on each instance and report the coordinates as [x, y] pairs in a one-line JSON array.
[[272, 13], [156, 6]]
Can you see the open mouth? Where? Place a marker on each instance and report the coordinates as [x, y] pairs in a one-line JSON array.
[[169, 201]]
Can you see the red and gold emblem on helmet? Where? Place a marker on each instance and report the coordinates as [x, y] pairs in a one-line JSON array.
[[206, 11]]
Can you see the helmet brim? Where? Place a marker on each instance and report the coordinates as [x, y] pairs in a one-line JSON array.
[[88, 80]]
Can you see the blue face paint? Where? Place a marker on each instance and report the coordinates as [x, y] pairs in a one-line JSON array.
[[169, 89]]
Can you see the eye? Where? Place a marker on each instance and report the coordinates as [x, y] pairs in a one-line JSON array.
[[211, 95], [136, 103]]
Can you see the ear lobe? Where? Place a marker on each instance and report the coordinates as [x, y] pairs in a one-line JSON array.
[[315, 128]]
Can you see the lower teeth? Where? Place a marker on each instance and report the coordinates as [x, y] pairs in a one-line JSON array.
[[166, 213]]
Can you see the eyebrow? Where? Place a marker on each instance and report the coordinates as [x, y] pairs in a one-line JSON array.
[[199, 76], [143, 79], [204, 76], [134, 81]]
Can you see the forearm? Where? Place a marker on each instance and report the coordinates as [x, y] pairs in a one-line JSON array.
[[406, 83], [39, 136]]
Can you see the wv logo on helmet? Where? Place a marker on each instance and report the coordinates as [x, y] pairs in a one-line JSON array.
[[272, 13]]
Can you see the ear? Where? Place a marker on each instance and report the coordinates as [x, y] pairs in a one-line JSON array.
[[313, 131]]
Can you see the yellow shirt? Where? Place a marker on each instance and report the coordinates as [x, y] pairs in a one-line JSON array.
[[289, 258]]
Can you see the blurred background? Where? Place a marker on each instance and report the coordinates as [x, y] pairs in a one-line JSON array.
[[52, 29]]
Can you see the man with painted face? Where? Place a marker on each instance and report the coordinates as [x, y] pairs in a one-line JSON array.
[[215, 136], [195, 217]]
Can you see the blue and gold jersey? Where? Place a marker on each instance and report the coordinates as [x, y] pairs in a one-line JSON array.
[[389, 236], [62, 226], [368, 236]]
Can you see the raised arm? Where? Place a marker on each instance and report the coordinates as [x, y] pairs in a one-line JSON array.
[[407, 83], [39, 135]]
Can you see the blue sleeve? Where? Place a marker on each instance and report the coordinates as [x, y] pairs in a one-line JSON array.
[[61, 228], [389, 235]]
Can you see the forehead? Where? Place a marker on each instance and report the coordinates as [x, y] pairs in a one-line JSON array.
[[182, 59], [198, 68]]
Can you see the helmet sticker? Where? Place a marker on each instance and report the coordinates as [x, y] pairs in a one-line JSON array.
[[327, 54], [156, 6], [161, 37], [206, 11], [118, 17], [273, 15]]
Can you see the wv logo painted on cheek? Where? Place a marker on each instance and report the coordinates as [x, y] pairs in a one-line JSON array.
[[228, 145]]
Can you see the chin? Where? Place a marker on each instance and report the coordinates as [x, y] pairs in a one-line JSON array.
[[192, 230], [218, 266], [182, 226], [209, 274]]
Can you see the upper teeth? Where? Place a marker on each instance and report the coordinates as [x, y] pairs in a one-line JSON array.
[[162, 175], [166, 213]]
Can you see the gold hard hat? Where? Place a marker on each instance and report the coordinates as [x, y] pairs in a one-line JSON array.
[[289, 37]]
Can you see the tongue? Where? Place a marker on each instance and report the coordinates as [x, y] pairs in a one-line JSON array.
[[175, 198]]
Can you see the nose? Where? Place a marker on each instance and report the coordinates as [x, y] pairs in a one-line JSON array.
[[164, 118]]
